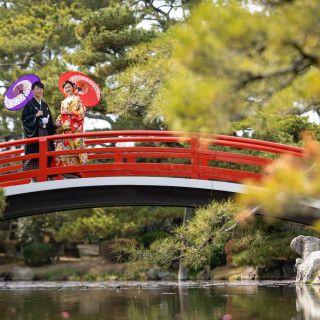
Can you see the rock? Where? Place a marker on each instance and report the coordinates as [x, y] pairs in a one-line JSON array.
[[152, 274], [157, 274], [169, 277], [88, 249], [268, 273], [282, 270], [316, 278], [305, 245], [308, 269], [248, 274], [163, 274], [308, 266], [22, 274], [288, 271], [205, 274]]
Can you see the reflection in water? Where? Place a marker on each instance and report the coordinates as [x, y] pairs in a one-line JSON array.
[[308, 302], [158, 300]]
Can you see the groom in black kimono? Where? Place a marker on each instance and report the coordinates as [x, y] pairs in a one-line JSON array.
[[37, 121]]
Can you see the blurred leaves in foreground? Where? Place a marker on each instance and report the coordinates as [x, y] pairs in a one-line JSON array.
[[291, 187]]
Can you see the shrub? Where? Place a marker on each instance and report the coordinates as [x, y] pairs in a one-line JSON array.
[[148, 238], [218, 254], [38, 254], [108, 253], [267, 251]]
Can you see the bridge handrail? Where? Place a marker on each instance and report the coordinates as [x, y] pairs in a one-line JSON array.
[[200, 161], [181, 136]]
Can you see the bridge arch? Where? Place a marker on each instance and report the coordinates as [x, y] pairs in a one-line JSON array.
[[71, 194]]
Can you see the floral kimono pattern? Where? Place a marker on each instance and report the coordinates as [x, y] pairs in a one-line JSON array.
[[71, 124]]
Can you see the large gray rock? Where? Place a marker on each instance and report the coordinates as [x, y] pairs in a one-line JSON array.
[[308, 266], [22, 274], [305, 245], [308, 269]]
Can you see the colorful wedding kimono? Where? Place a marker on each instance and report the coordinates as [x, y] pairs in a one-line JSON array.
[[71, 123]]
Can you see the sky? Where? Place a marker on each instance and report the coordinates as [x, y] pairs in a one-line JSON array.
[[90, 124]]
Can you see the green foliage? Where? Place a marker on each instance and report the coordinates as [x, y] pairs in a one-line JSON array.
[[195, 243], [264, 243], [34, 37], [148, 238], [63, 274], [38, 253], [162, 14], [119, 256], [281, 129], [89, 228], [106, 35], [230, 63], [106, 223], [140, 83], [267, 250], [2, 201], [3, 235], [35, 228], [218, 254]]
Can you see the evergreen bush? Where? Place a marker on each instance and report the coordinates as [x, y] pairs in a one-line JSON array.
[[148, 238], [108, 252], [38, 254]]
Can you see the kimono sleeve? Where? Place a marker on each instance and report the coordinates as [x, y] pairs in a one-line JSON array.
[[29, 122]]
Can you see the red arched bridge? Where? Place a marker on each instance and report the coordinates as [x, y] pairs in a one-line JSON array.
[[134, 168]]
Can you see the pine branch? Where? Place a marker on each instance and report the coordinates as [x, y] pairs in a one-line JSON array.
[[314, 60], [8, 136], [209, 238], [100, 117], [23, 64]]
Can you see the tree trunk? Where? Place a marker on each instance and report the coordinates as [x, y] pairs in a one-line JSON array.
[[183, 270]]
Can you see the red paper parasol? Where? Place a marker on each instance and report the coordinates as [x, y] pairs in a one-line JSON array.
[[88, 90]]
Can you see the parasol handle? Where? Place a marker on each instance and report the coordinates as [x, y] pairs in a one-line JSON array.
[[21, 92]]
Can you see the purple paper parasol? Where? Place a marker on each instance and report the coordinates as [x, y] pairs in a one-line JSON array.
[[20, 92]]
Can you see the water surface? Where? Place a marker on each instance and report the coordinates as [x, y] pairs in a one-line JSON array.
[[159, 300]]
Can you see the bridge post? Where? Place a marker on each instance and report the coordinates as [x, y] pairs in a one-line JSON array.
[[204, 146], [183, 270], [118, 157], [43, 159], [194, 156]]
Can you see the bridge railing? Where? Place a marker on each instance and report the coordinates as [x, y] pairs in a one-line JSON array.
[[147, 153]]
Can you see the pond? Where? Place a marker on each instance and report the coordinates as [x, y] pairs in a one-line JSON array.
[[159, 300]]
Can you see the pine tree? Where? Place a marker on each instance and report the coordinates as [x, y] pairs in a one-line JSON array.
[[34, 37], [230, 62]]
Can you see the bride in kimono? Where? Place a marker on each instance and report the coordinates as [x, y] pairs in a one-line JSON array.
[[70, 121]]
